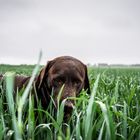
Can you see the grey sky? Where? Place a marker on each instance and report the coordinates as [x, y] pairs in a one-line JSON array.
[[91, 30]]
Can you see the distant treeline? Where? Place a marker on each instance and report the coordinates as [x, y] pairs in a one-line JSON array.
[[114, 65]]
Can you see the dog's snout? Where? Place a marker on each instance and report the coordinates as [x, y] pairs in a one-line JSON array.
[[69, 104], [68, 107]]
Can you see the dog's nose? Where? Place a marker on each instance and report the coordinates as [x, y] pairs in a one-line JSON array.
[[69, 104], [68, 107]]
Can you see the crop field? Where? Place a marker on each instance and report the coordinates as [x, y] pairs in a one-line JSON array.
[[111, 112]]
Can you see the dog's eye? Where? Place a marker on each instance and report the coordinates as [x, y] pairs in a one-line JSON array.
[[58, 82], [77, 84]]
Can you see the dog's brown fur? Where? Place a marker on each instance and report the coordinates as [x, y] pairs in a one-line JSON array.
[[65, 70]]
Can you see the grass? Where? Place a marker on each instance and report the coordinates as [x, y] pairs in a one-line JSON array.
[[111, 112]]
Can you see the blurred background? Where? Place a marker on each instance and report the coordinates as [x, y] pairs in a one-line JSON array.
[[94, 31]]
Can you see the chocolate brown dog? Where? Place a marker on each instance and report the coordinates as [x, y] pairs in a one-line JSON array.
[[67, 71], [62, 71]]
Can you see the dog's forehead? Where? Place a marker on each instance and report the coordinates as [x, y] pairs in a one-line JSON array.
[[67, 66], [67, 60]]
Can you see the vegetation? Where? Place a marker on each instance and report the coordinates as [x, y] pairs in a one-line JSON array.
[[112, 111]]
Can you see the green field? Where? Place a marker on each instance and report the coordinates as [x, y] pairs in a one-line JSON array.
[[112, 111]]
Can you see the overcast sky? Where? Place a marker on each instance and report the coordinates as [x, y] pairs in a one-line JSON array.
[[93, 31]]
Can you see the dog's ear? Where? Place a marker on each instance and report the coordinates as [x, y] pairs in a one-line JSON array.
[[43, 73], [86, 81]]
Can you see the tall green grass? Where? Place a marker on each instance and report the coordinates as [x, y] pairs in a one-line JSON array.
[[111, 111]]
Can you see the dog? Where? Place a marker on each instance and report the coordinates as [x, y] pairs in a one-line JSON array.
[[64, 71]]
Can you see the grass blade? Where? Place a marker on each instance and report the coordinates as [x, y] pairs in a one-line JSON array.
[[26, 93], [89, 111], [9, 90], [101, 131], [125, 121], [31, 119]]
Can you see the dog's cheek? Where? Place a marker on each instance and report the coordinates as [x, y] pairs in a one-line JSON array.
[[79, 89], [55, 91]]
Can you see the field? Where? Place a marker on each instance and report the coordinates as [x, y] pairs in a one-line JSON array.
[[112, 111]]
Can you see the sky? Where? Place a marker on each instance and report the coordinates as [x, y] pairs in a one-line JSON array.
[[94, 31]]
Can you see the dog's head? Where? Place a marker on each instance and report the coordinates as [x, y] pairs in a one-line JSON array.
[[63, 71]]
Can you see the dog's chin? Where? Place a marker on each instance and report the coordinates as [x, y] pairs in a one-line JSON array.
[[68, 108]]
